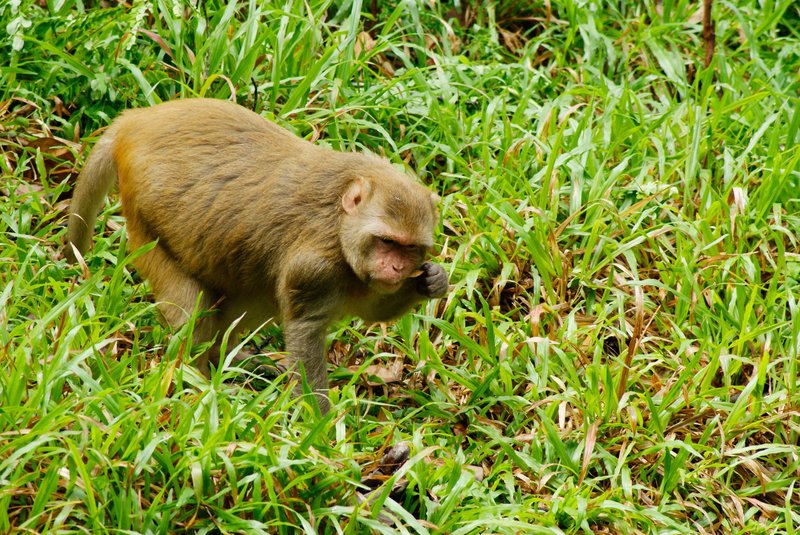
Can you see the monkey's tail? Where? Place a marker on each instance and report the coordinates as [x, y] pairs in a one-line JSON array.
[[93, 183]]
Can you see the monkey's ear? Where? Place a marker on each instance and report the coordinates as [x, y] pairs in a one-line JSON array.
[[435, 200], [356, 193]]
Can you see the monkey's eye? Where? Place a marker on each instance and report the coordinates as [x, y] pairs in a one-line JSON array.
[[387, 241]]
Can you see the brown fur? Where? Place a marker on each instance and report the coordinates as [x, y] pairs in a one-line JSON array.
[[261, 222]]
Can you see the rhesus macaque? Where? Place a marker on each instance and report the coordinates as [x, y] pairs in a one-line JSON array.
[[254, 220]]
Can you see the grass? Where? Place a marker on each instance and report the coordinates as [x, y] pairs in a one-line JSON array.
[[619, 349]]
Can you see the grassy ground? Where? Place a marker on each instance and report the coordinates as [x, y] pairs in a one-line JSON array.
[[619, 349]]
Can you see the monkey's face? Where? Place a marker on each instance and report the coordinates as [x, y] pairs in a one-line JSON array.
[[387, 231], [394, 261]]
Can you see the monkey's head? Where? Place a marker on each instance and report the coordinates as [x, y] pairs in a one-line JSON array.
[[387, 228]]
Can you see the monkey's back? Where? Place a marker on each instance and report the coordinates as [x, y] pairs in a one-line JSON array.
[[223, 189]]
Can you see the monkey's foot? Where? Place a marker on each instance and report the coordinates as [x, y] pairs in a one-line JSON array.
[[259, 369], [392, 460]]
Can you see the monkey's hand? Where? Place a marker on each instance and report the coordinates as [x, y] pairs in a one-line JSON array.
[[433, 281]]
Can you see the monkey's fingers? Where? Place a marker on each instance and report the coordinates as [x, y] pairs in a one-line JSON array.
[[434, 281]]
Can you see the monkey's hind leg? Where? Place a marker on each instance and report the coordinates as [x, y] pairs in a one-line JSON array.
[[177, 294]]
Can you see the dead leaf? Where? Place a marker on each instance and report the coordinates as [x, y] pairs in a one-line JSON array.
[[390, 372], [364, 43], [59, 157], [477, 471]]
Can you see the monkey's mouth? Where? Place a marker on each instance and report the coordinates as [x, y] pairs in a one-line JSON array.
[[386, 286]]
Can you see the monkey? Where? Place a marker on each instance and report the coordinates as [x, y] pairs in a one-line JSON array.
[[251, 220]]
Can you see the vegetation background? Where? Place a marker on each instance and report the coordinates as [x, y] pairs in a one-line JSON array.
[[619, 349]]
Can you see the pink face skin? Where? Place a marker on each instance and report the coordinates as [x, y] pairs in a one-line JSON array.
[[394, 262]]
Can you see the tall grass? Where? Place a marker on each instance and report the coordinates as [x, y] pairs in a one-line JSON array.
[[619, 349]]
